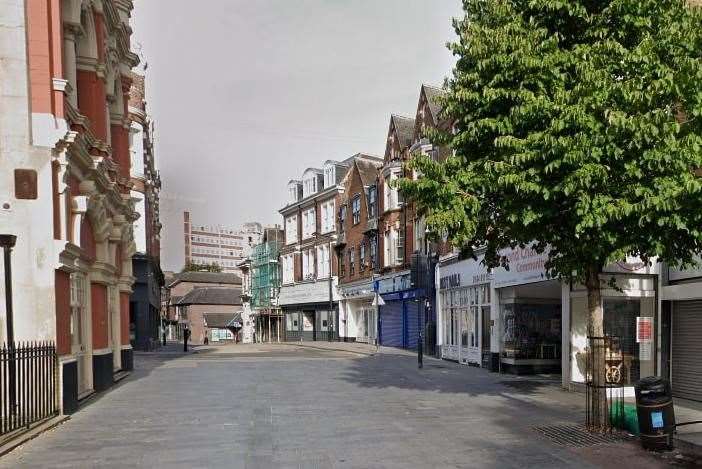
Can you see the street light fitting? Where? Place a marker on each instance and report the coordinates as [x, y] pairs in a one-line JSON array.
[[7, 240]]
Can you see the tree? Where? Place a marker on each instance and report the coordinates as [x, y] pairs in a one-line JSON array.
[[213, 267], [577, 128]]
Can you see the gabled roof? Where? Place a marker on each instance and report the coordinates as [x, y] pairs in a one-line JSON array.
[[218, 320], [404, 129], [205, 277], [212, 296], [368, 169], [432, 93]]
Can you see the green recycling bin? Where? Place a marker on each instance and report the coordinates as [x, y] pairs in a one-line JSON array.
[[654, 408]]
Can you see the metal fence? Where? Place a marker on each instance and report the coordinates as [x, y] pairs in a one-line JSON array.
[[604, 391], [28, 385]]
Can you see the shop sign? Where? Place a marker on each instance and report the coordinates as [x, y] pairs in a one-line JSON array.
[[365, 289], [695, 271], [450, 281], [313, 292], [463, 274], [393, 284], [525, 266]]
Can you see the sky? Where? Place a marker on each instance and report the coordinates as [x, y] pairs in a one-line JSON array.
[[246, 95]]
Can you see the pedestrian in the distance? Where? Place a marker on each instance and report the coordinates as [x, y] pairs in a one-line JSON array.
[[186, 336], [164, 336]]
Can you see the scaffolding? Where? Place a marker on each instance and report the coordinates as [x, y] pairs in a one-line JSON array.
[[265, 284]]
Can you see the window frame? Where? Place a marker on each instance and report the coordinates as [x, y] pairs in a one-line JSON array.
[[356, 209]]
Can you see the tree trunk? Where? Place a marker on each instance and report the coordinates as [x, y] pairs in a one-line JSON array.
[[595, 329]]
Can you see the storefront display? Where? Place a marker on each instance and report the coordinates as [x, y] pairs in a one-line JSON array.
[[465, 297], [531, 332], [629, 314]]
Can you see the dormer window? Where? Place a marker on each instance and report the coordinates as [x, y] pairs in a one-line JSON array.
[[292, 192], [329, 176], [309, 183]]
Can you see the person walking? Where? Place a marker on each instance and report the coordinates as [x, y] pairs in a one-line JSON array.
[[186, 336]]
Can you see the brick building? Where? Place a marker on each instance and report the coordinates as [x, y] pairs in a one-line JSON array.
[[357, 233], [211, 312], [65, 183]]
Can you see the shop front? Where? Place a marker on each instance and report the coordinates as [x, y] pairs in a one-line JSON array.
[[465, 318], [629, 297], [399, 309], [308, 316], [358, 321], [681, 330], [530, 324]]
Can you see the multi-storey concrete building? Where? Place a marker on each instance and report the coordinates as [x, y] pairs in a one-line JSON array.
[[218, 244], [65, 183], [308, 295], [145, 302]]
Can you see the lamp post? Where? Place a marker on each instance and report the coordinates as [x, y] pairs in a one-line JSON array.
[[7, 241], [330, 329]]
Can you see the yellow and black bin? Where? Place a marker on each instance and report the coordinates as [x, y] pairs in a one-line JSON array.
[[656, 414]]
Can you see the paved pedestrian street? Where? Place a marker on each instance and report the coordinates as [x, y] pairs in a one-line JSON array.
[[291, 406]]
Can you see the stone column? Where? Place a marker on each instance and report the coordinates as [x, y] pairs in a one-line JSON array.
[[69, 64]]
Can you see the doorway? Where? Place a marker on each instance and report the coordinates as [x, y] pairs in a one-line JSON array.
[[308, 329], [80, 331]]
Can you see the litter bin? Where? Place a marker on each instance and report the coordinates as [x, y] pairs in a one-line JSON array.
[[656, 415]]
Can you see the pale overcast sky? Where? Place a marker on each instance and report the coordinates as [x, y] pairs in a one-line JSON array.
[[247, 94]]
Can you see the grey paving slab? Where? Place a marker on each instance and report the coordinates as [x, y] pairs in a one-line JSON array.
[[282, 406]]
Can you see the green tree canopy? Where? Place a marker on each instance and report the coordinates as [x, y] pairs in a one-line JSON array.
[[576, 125], [213, 267]]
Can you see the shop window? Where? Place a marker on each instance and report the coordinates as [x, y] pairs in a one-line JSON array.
[[632, 360], [532, 331], [293, 322]]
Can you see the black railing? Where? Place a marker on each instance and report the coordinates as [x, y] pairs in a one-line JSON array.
[[28, 385], [604, 389]]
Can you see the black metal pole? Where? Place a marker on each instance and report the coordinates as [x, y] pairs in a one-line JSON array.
[[420, 349], [330, 329], [8, 241]]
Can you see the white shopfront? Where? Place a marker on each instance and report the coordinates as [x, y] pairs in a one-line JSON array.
[[465, 318], [530, 315], [631, 316], [357, 314]]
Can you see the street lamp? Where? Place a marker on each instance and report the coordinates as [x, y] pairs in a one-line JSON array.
[[7, 242], [330, 317], [330, 332]]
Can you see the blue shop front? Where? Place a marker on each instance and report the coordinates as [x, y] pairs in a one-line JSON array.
[[402, 311]]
